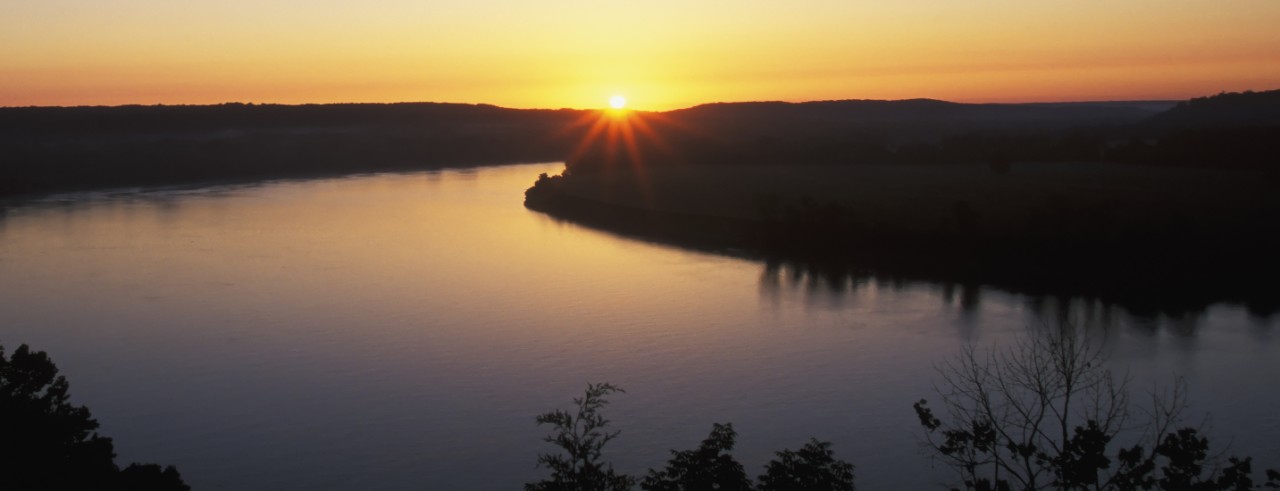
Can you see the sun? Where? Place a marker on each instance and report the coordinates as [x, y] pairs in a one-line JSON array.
[[617, 102]]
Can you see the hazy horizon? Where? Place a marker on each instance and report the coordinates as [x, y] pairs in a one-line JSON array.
[[604, 103], [660, 55]]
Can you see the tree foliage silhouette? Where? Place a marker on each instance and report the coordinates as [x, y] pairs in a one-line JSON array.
[[581, 436], [1046, 415], [812, 468], [710, 466], [48, 443]]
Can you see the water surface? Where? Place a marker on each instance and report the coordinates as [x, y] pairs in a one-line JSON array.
[[401, 331]]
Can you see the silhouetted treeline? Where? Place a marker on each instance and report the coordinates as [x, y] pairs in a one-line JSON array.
[[58, 149], [45, 149], [47, 443], [1230, 130], [853, 132], [1225, 110], [1233, 130], [914, 118], [578, 464], [1152, 263]]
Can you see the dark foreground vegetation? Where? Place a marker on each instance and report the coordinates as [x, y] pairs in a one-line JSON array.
[[1157, 211], [47, 443], [582, 434], [1044, 414], [1047, 414]]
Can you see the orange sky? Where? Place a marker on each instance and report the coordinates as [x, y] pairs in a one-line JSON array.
[[660, 54]]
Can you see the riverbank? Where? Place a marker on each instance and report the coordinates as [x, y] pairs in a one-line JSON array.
[[1152, 238]]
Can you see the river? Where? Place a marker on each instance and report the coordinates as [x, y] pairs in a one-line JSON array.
[[401, 331]]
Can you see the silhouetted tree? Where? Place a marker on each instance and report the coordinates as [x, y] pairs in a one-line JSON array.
[[47, 443], [142, 477], [581, 435], [707, 467], [1044, 415], [812, 468]]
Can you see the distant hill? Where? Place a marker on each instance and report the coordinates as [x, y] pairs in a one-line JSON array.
[[873, 131], [1226, 110], [1229, 130], [915, 118], [237, 117], [47, 149]]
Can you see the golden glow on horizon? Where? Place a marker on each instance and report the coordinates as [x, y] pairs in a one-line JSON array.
[[572, 53], [617, 102], [617, 137]]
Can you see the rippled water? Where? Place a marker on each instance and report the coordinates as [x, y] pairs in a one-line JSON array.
[[401, 332]]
